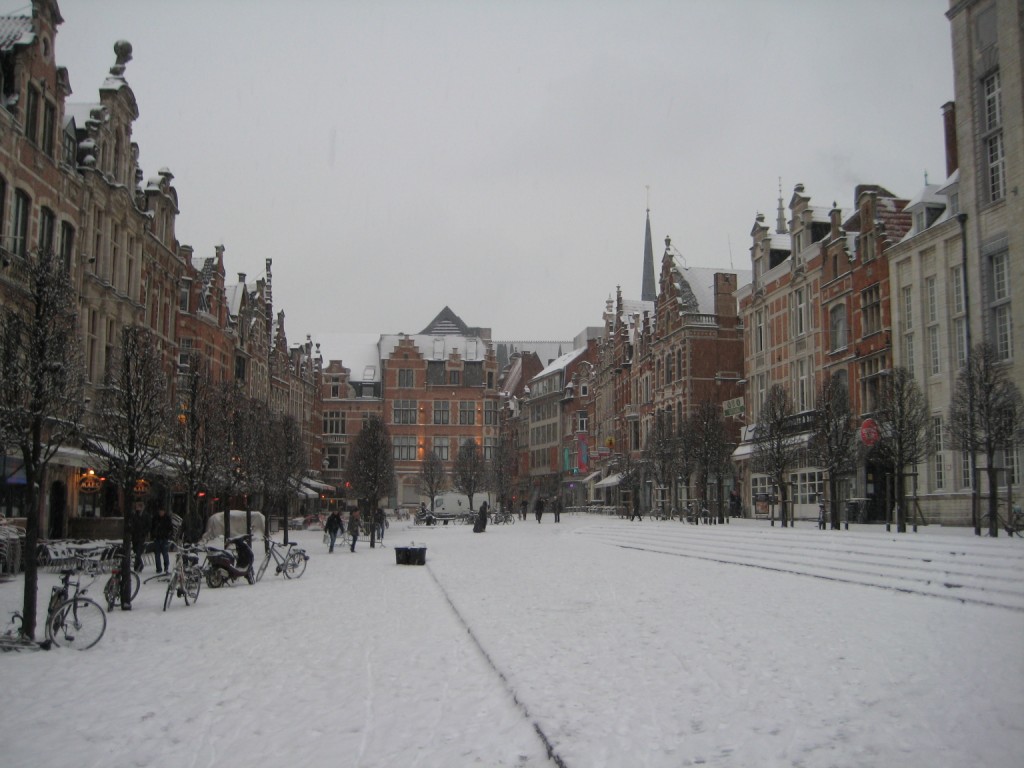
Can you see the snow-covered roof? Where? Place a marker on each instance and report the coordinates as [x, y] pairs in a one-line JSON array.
[[15, 30], [357, 351], [560, 363]]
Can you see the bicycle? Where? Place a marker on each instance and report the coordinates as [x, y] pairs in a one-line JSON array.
[[73, 620], [186, 576], [503, 517], [112, 589], [291, 563]]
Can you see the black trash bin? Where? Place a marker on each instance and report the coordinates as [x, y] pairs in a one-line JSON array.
[[410, 555]]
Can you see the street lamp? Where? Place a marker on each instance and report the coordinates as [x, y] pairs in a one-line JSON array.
[[962, 219]]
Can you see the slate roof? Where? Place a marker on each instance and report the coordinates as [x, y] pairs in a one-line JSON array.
[[15, 30]]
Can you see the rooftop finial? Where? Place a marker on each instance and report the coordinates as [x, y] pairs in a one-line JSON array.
[[780, 222], [123, 52]]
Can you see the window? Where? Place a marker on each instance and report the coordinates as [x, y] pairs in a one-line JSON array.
[[960, 341], [19, 238], [1002, 324], [802, 387], [47, 227], [759, 340], [992, 116], [334, 456], [49, 128], [441, 447], [837, 326], [336, 387], [404, 412], [3, 212], [442, 414], [908, 353], [467, 412], [907, 307], [932, 299], [965, 470], [938, 468], [405, 378], [490, 443], [491, 413], [32, 114], [934, 355], [806, 487], [581, 421], [184, 354], [762, 390], [69, 147], [871, 310], [67, 244], [799, 312], [1011, 460], [334, 422], [454, 378], [404, 447], [184, 290], [870, 383], [956, 281]]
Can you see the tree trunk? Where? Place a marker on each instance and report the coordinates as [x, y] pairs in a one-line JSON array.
[[28, 609], [128, 524], [993, 498]]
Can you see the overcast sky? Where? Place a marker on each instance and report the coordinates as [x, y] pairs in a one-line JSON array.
[[498, 157]]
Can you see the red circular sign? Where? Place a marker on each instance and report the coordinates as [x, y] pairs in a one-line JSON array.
[[869, 434]]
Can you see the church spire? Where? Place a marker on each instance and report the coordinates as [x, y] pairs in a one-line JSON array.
[[648, 291], [780, 222]]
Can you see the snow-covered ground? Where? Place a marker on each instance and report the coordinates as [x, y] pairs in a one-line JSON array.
[[600, 641]]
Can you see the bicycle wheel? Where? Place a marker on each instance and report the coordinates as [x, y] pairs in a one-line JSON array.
[[172, 589], [112, 591], [193, 581], [295, 565], [263, 567], [78, 623], [136, 583]]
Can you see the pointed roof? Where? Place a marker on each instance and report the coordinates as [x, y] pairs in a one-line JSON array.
[[648, 291], [446, 323]]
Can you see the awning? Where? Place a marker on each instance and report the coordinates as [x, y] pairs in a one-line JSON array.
[[590, 478], [745, 450], [316, 485], [609, 481]]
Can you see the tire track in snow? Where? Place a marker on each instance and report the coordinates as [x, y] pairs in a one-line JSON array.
[[520, 705]]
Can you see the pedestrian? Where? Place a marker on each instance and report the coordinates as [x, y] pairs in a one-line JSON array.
[[140, 532], [480, 526], [538, 508], [522, 509], [821, 514], [162, 530], [334, 525], [556, 507], [636, 511], [380, 522], [353, 527]]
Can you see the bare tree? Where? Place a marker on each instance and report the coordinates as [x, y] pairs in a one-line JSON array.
[[504, 470], [42, 385], [776, 448], [288, 464], [833, 445], [985, 416], [469, 476], [191, 438], [903, 419], [711, 449], [133, 421], [433, 477], [661, 452], [371, 464], [633, 472]]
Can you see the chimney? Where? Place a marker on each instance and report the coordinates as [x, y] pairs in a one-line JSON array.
[[241, 277], [949, 128]]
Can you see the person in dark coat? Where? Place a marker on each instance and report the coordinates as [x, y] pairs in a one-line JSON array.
[[538, 508], [522, 509], [140, 533], [481, 519], [162, 531], [353, 527], [380, 522], [334, 525], [556, 507]]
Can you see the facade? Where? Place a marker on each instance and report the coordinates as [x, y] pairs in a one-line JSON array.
[[71, 182]]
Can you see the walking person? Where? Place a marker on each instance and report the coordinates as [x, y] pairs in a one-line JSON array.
[[334, 525], [821, 513], [556, 507], [163, 529], [636, 511], [522, 509], [380, 521], [353, 527], [538, 508], [481, 519]]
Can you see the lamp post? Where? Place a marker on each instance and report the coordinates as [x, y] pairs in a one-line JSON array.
[[962, 219]]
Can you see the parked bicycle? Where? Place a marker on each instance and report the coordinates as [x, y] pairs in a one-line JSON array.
[[112, 589], [72, 619], [186, 576], [503, 517], [291, 559]]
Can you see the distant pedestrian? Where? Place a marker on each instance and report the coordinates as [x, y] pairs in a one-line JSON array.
[[556, 507], [538, 508], [734, 504], [636, 511], [334, 525], [140, 532], [380, 522], [522, 509], [163, 529], [353, 527], [480, 526], [821, 514]]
